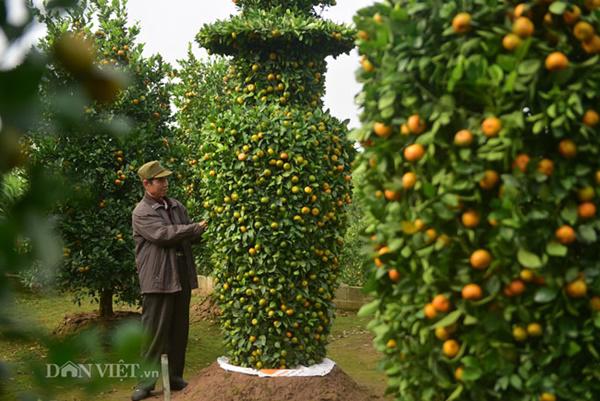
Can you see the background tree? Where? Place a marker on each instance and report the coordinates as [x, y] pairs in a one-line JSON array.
[[96, 227], [199, 97], [482, 174], [275, 179], [25, 208]]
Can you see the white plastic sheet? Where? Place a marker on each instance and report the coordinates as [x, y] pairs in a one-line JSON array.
[[320, 369]]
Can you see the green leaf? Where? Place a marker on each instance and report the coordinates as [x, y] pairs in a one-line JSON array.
[[387, 100], [545, 294], [516, 382], [558, 7], [368, 309], [555, 249], [529, 67], [451, 318], [471, 373], [587, 234], [529, 259], [456, 393]]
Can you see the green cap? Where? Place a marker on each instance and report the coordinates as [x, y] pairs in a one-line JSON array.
[[153, 169]]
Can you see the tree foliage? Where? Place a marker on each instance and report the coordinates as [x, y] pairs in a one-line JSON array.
[[274, 172], [481, 161], [96, 226]]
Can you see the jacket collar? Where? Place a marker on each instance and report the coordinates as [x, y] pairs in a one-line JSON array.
[[154, 204]]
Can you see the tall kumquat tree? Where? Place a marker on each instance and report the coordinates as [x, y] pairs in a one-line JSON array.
[[481, 136], [275, 172]]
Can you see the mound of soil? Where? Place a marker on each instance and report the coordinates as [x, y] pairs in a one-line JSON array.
[[216, 384], [78, 322], [207, 310]]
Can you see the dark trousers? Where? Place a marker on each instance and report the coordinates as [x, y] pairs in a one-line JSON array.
[[166, 321]]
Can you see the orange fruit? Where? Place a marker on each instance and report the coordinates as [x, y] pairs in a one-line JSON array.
[[556, 61], [382, 130], [547, 397], [565, 235], [394, 275], [595, 303], [463, 137], [519, 333], [414, 152], [480, 259], [471, 292], [391, 343], [415, 124], [377, 18], [409, 180], [577, 288], [591, 118], [430, 235], [527, 275], [516, 287], [583, 31], [458, 373], [591, 46], [534, 329], [430, 311], [404, 130], [571, 16], [592, 4], [546, 167], [470, 218], [521, 162], [511, 41], [521, 10], [441, 303], [489, 180], [586, 210], [523, 27], [441, 333], [461, 23], [367, 65], [491, 126], [586, 194], [383, 250], [363, 35], [450, 348], [567, 148], [391, 195]]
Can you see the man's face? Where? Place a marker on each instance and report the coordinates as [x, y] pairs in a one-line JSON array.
[[157, 188]]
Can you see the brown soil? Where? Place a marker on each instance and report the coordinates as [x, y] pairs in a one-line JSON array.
[[77, 322], [215, 384], [206, 309]]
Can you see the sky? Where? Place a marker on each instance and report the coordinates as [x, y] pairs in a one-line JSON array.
[[180, 20], [168, 26]]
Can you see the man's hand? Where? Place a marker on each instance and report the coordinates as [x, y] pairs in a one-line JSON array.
[[203, 224]]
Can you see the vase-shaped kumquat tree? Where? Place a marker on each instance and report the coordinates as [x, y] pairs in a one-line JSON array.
[[276, 179], [481, 136]]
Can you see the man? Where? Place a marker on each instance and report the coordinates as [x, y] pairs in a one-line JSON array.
[[163, 234]]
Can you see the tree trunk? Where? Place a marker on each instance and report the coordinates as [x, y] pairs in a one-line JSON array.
[[106, 304]]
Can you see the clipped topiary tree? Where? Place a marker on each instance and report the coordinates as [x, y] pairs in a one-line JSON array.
[[482, 174], [275, 179], [101, 167]]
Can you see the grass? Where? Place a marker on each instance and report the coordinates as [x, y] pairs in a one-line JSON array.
[[350, 347]]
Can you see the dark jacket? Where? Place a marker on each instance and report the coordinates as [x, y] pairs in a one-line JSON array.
[[157, 242]]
